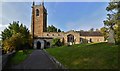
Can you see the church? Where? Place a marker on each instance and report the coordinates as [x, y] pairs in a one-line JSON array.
[[43, 39]]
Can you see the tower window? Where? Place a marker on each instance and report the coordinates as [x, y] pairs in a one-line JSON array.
[[37, 12]]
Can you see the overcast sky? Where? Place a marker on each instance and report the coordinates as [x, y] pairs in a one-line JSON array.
[[64, 15]]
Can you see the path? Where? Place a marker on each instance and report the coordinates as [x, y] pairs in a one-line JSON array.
[[37, 60]]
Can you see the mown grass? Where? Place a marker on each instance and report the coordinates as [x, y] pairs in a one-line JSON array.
[[19, 56], [87, 56]]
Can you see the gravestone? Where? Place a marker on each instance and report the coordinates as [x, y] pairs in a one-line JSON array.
[[111, 38]]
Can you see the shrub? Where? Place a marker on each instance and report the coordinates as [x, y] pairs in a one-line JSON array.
[[56, 42], [16, 37]]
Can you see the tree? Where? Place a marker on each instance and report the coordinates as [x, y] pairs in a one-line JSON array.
[[12, 43], [91, 30], [14, 27], [6, 34], [0, 42], [52, 29], [56, 42], [97, 30], [16, 37], [81, 30], [110, 22], [59, 30], [113, 18], [104, 31]]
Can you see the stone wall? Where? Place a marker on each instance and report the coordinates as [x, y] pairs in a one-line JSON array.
[[59, 35], [63, 36], [76, 37], [53, 34], [6, 57], [94, 38]]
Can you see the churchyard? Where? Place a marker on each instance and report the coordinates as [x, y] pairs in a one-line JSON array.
[[87, 56], [78, 56], [72, 49]]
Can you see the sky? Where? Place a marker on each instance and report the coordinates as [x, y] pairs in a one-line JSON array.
[[63, 15]]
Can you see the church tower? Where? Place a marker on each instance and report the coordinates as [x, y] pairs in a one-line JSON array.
[[39, 20]]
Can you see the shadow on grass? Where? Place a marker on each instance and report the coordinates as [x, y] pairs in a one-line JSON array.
[[17, 58]]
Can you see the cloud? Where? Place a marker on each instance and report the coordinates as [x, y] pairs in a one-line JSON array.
[[15, 11], [2, 26]]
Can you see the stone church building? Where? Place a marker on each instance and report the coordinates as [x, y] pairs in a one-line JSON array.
[[42, 38]]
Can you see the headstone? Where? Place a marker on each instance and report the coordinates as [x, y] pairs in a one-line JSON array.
[[111, 38]]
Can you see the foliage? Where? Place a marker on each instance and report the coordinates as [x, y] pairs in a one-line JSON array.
[[91, 30], [6, 34], [59, 30], [56, 42], [81, 30], [113, 19], [52, 29], [87, 56], [0, 42], [19, 56], [97, 30], [104, 31], [117, 36], [12, 42], [110, 22], [16, 37]]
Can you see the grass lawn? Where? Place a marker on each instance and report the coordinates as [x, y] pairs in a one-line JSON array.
[[19, 56], [87, 56]]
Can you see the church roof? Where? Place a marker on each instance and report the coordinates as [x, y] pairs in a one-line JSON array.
[[88, 33]]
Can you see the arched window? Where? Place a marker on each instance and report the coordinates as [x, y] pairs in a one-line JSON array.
[[52, 34], [47, 34], [37, 12], [70, 38], [58, 34]]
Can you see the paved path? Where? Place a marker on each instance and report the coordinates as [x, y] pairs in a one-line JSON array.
[[37, 60]]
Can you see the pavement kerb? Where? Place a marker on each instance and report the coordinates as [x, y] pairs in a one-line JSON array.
[[57, 63]]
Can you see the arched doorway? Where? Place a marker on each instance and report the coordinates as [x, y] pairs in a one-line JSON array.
[[38, 45], [70, 39], [48, 44]]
